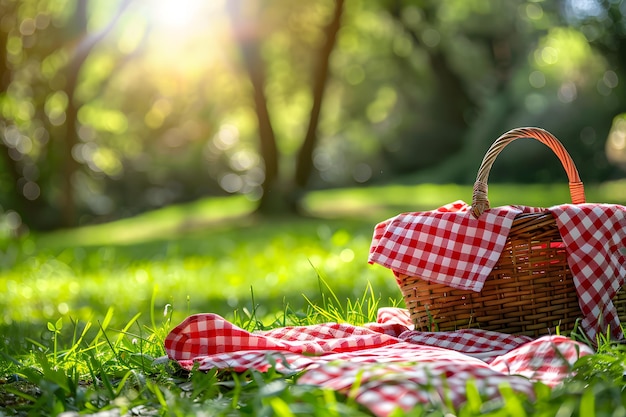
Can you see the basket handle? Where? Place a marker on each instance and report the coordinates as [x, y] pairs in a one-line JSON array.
[[480, 201]]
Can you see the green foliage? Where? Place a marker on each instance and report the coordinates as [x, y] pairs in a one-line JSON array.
[[121, 293], [122, 370], [358, 311], [110, 114], [87, 374], [207, 255]]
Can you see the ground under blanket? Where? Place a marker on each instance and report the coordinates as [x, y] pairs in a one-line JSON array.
[[392, 365]]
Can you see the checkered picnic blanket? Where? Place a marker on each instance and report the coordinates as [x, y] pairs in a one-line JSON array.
[[384, 365], [451, 247]]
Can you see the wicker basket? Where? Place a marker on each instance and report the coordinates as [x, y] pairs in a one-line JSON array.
[[530, 291]]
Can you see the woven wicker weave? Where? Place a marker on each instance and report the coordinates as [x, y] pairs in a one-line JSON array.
[[530, 290]]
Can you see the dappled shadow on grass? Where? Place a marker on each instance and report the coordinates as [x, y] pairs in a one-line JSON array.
[[206, 256], [216, 238], [219, 267]]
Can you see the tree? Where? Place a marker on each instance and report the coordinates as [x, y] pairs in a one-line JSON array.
[[53, 70], [287, 96], [85, 44], [280, 197]]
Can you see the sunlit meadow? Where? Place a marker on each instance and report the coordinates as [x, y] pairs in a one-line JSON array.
[[94, 304]]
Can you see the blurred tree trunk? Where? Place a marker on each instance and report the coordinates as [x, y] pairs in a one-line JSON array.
[[28, 209], [281, 195], [86, 44], [249, 37], [5, 72], [304, 163], [466, 119], [8, 12], [615, 48], [450, 85]]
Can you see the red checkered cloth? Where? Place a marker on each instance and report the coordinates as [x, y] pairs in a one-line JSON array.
[[451, 247], [384, 365]]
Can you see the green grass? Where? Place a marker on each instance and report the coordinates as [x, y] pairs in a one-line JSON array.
[[83, 312], [208, 270]]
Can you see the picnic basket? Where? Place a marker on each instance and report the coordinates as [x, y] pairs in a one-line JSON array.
[[530, 290]]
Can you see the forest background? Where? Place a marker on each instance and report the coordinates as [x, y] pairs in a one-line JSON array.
[[112, 108]]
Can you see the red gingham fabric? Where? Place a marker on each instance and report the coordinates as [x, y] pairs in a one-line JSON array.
[[392, 365], [447, 245], [451, 247], [595, 236]]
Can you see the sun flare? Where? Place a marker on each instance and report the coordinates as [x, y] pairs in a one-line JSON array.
[[176, 14], [184, 33]]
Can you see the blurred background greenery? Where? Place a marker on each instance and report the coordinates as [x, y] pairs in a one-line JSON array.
[[183, 135], [109, 108]]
